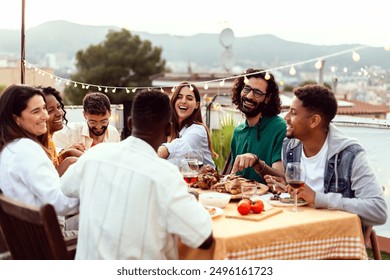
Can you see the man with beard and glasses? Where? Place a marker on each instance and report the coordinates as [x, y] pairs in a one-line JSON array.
[[258, 141], [96, 129]]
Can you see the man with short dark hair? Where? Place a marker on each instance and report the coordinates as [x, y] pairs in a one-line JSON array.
[[96, 129], [338, 174], [134, 204]]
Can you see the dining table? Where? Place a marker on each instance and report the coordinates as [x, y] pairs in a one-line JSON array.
[[280, 234]]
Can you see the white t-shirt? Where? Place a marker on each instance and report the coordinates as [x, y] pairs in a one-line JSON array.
[[315, 168], [133, 204]]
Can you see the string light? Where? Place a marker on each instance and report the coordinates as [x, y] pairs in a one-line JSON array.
[[292, 70], [267, 76], [318, 65], [191, 88], [355, 56], [246, 80]]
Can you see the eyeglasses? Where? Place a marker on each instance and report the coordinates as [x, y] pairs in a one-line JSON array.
[[256, 92], [102, 122]]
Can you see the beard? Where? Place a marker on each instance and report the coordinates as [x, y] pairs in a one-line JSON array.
[[249, 113], [96, 132]]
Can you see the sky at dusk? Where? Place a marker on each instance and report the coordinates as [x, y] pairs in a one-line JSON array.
[[328, 22]]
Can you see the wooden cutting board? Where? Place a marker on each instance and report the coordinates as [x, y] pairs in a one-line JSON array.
[[253, 217]]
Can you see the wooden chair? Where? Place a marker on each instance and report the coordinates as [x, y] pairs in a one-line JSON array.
[[33, 233], [227, 168], [371, 241]]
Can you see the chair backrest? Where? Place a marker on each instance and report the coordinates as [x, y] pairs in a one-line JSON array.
[[227, 168], [371, 241], [31, 232]]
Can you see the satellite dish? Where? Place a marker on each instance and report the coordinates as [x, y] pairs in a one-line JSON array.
[[226, 37], [227, 59]]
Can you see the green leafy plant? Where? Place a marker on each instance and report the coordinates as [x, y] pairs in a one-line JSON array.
[[221, 138]]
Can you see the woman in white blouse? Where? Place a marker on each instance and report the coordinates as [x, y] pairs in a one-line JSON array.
[[26, 170], [188, 133]]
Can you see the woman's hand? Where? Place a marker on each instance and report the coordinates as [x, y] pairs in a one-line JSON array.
[[64, 165], [162, 152]]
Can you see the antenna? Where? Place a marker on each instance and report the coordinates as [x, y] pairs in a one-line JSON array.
[[226, 38]]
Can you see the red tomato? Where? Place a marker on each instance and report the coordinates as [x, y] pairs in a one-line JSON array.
[[244, 206], [257, 207]]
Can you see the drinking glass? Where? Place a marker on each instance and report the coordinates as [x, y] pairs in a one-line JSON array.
[[189, 168], [295, 177], [198, 155]]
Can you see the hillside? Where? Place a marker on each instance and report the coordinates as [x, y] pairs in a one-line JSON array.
[[64, 39]]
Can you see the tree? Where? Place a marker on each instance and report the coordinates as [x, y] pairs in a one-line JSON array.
[[122, 60]]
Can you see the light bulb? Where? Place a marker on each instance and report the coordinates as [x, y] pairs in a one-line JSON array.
[[246, 80], [173, 89], [318, 64], [206, 86], [221, 83], [345, 69], [355, 56], [75, 85], [87, 86], [267, 76], [127, 90], [134, 90], [106, 90], [162, 91], [292, 71], [191, 88], [99, 89], [114, 90]]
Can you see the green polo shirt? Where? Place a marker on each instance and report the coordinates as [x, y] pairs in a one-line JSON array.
[[271, 131]]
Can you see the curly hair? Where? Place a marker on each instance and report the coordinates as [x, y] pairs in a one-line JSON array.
[[318, 99], [274, 106], [57, 95]]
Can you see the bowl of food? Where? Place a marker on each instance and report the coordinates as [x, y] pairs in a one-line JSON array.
[[215, 199]]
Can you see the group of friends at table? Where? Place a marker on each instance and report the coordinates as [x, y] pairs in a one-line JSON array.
[[125, 199]]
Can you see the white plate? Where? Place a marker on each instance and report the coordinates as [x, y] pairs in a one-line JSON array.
[[218, 211], [277, 203]]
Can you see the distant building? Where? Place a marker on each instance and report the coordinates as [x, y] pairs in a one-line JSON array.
[[11, 74]]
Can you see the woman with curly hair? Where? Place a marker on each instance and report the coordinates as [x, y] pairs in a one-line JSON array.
[[258, 141], [188, 134], [56, 110]]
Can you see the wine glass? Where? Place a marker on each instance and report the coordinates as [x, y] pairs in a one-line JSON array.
[[198, 155], [189, 168], [295, 177]]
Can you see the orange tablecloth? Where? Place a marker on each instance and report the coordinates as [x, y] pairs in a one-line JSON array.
[[311, 234]]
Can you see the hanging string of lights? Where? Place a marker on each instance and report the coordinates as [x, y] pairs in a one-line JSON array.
[[106, 88]]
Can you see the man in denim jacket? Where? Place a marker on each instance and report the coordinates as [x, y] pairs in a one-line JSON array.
[[338, 174]]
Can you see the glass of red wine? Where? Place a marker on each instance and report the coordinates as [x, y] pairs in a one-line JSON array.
[[295, 177], [189, 168]]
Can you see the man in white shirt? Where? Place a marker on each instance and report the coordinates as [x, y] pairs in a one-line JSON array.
[[134, 204], [96, 129]]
